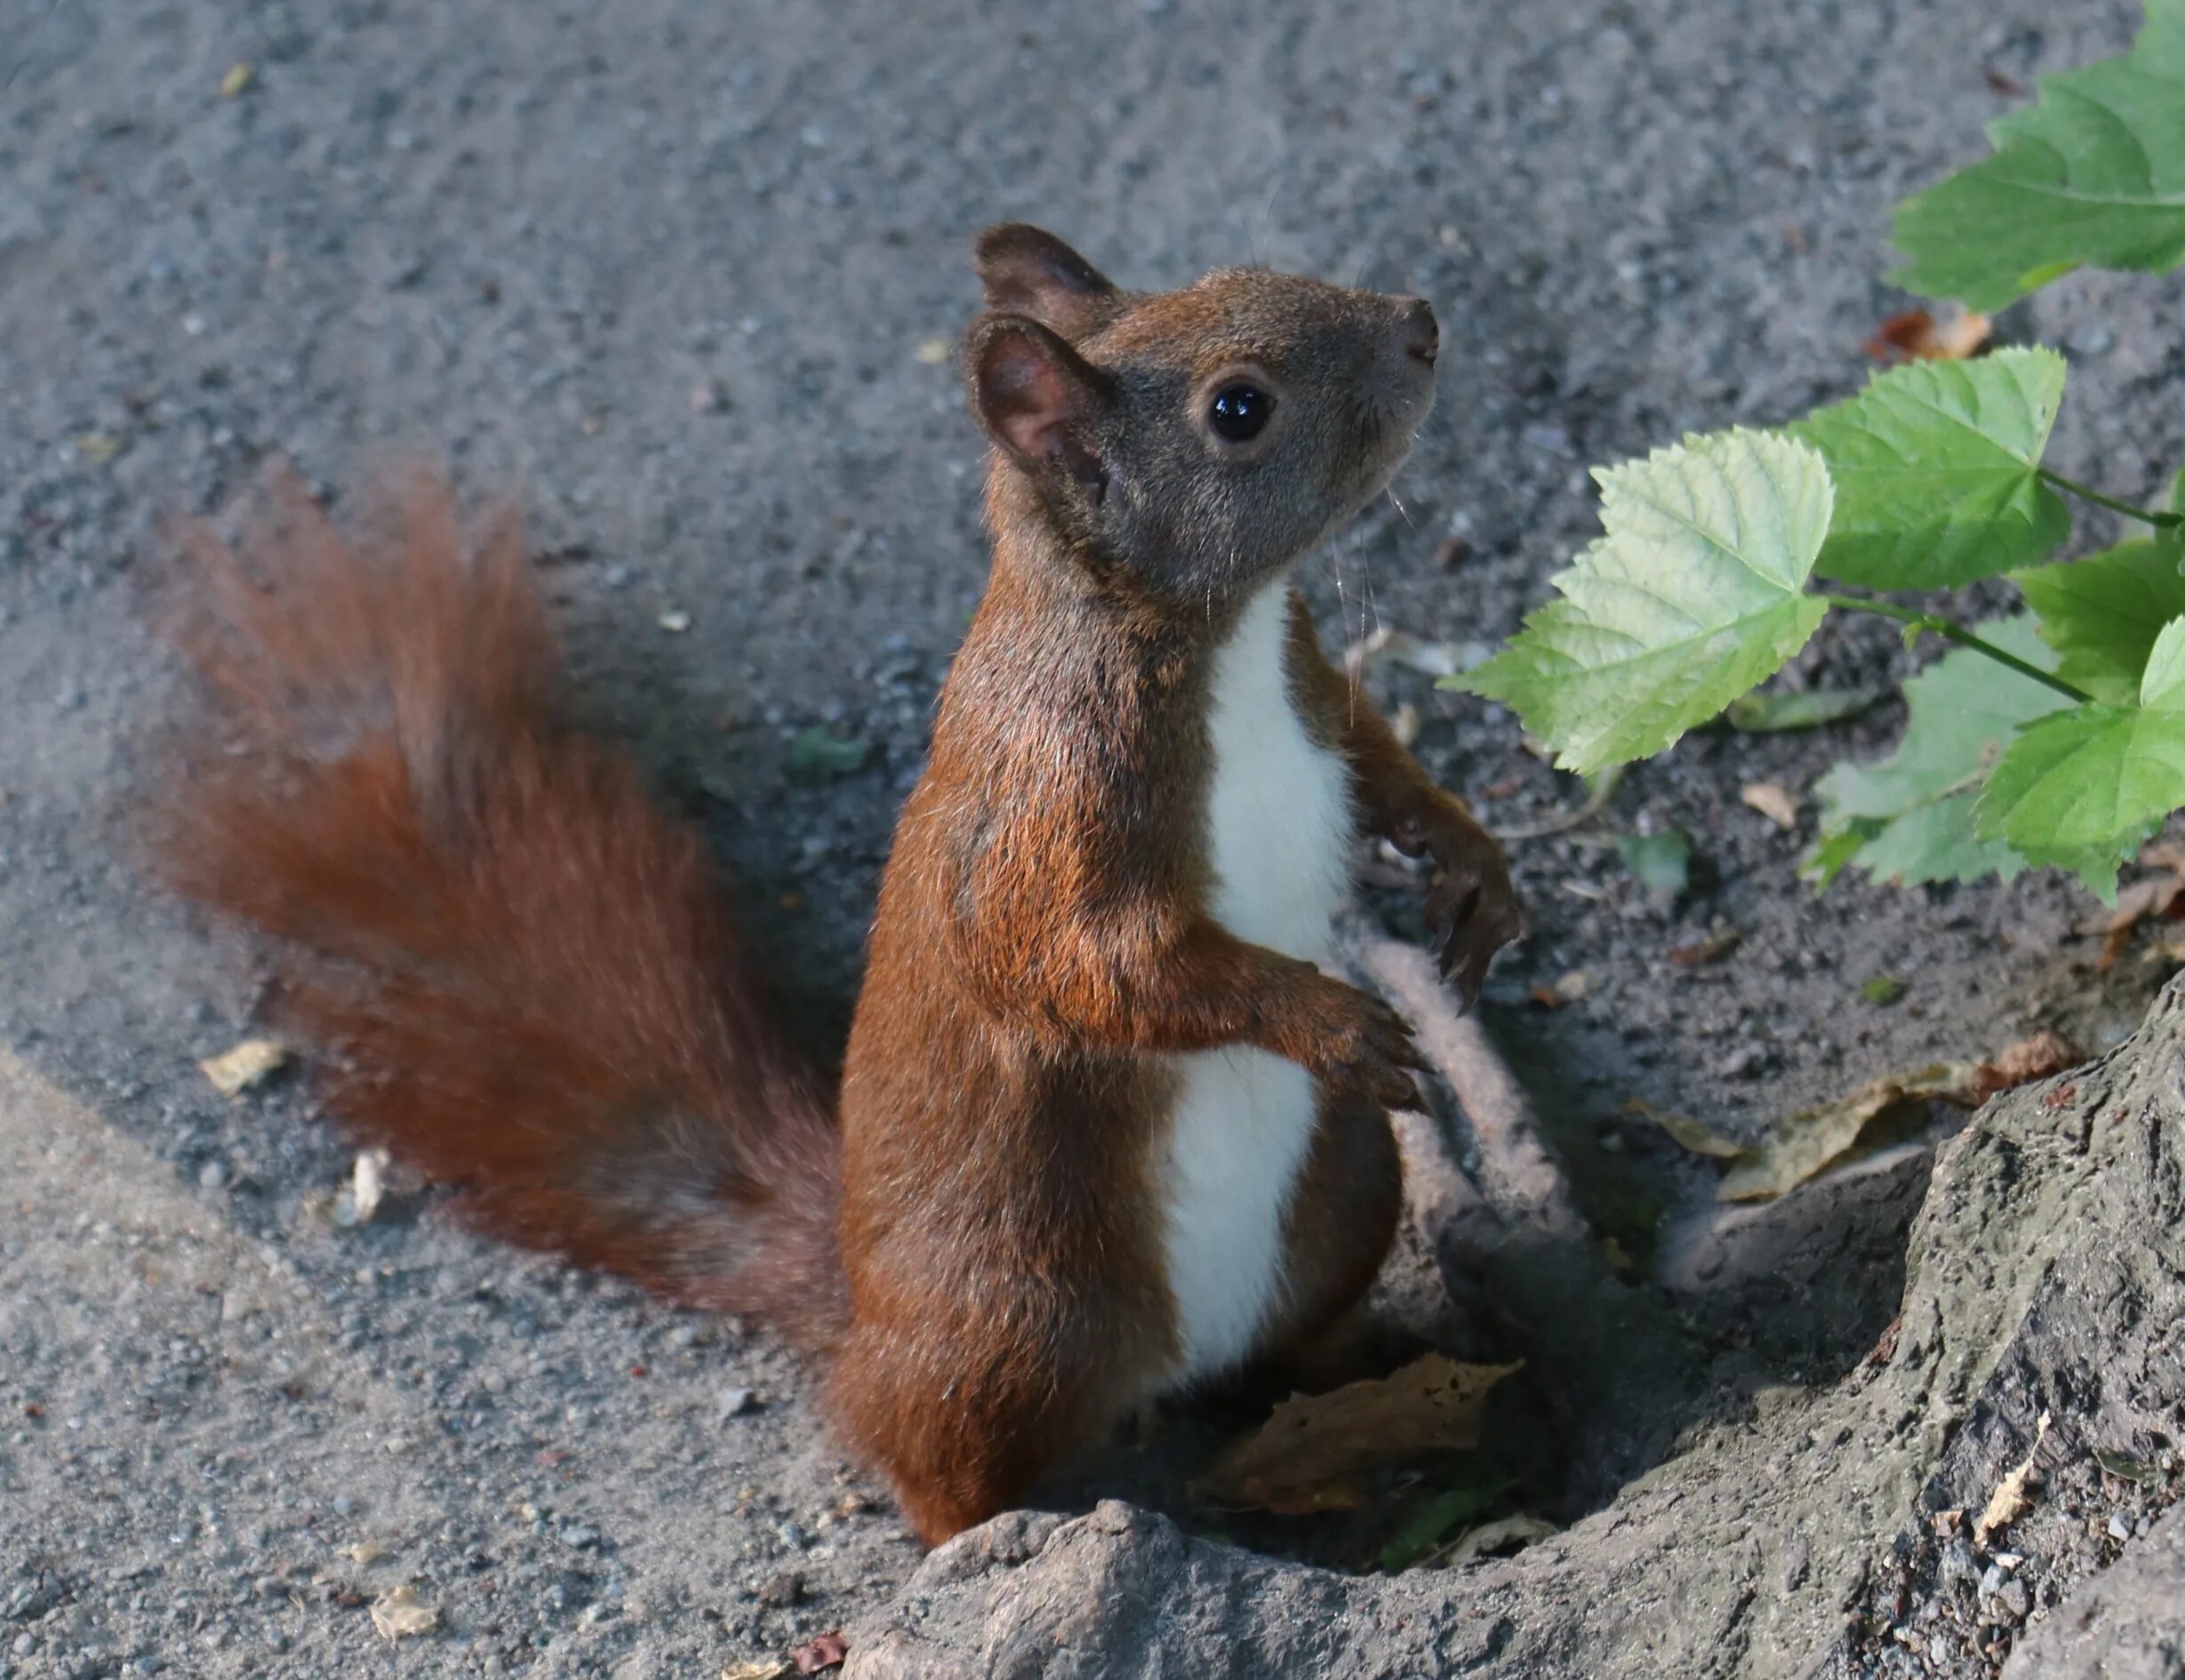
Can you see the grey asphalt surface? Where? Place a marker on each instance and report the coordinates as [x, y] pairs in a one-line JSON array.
[[683, 280]]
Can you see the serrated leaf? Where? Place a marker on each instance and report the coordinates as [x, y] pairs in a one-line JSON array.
[[2093, 173], [2102, 614], [1693, 594], [1908, 818], [1935, 466], [2084, 786]]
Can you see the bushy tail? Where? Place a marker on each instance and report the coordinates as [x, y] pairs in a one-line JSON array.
[[520, 972]]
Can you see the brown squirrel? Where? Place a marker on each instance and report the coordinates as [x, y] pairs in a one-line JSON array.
[[1106, 1129]]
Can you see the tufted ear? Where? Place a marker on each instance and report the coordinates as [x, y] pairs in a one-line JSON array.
[[1038, 399], [1028, 271]]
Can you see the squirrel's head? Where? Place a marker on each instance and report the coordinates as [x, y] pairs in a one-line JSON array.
[[1202, 440]]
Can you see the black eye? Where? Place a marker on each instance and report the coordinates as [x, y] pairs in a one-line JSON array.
[[1239, 412]]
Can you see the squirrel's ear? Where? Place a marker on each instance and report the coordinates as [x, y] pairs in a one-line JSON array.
[[1028, 271], [1036, 397]]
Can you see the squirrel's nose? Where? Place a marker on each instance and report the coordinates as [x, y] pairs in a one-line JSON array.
[[1422, 334]]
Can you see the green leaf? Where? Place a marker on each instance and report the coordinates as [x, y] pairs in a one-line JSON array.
[[1430, 1524], [1935, 466], [1810, 709], [2082, 788], [1908, 818], [1833, 851], [2124, 1467], [1662, 862], [1693, 594], [1883, 988], [2162, 684], [2093, 173], [817, 756], [2102, 614]]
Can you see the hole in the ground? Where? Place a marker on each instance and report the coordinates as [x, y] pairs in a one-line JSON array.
[[1653, 1311]]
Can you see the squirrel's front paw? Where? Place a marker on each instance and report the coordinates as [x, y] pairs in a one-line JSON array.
[[1361, 1047], [1472, 908]]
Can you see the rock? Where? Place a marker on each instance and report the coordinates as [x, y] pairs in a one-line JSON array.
[[2126, 1623], [2051, 1244], [783, 1591]]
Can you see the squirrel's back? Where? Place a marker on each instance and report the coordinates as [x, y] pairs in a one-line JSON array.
[[523, 973]]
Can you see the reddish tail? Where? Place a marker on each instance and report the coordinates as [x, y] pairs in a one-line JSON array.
[[521, 973]]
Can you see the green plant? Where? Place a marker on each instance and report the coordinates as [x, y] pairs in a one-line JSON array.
[[2052, 736]]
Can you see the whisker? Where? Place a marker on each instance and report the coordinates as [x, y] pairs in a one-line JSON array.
[[1352, 633], [1266, 222]]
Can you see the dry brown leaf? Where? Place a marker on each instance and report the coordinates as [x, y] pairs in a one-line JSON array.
[[400, 1615], [1689, 1133], [1505, 1533], [2161, 897], [2029, 1058], [234, 1071], [1310, 1454], [758, 1668], [2010, 1501], [831, 1649], [1808, 1142], [1701, 952], [1568, 988], [1401, 647], [1801, 1144], [1917, 336], [1778, 804]]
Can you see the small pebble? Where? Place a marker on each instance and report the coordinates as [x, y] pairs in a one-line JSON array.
[[783, 1591]]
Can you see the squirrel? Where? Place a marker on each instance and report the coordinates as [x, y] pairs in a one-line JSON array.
[[1106, 1128]]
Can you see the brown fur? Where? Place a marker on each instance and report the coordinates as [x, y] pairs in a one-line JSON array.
[[528, 983], [523, 973]]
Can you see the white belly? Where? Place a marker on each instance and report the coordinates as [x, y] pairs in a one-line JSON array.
[[1279, 835]]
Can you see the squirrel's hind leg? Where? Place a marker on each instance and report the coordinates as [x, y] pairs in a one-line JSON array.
[[1341, 1222]]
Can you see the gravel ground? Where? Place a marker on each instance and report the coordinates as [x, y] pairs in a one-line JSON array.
[[681, 279]]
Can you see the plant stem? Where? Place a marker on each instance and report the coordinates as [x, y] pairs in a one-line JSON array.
[[2158, 520], [1950, 630]]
